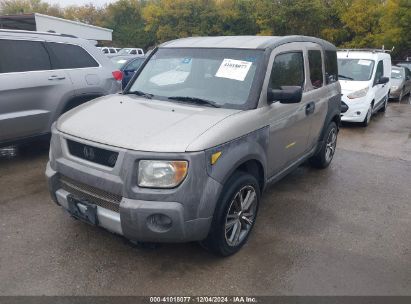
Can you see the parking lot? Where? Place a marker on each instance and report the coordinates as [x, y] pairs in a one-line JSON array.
[[344, 230]]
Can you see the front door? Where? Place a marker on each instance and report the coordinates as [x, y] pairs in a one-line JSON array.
[[289, 126], [380, 90], [29, 90]]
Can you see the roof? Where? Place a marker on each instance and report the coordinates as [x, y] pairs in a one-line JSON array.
[[362, 54], [243, 42], [44, 23]]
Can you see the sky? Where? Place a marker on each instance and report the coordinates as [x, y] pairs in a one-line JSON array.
[[64, 3]]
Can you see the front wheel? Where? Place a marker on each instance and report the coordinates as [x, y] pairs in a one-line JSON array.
[[401, 95], [234, 216], [325, 155], [384, 107], [367, 118]]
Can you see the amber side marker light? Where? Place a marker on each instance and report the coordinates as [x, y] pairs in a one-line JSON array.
[[215, 157]]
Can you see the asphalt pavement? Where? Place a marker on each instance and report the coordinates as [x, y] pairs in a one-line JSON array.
[[345, 230]]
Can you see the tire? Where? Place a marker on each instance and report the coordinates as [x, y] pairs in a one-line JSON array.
[[325, 155], [384, 107], [367, 118], [239, 222], [401, 95]]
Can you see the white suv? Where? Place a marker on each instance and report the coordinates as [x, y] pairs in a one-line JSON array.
[[365, 83]]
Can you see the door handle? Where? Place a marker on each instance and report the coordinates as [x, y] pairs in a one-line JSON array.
[[55, 77], [309, 108]]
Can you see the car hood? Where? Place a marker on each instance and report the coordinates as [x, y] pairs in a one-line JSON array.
[[348, 86], [396, 82], [136, 123]]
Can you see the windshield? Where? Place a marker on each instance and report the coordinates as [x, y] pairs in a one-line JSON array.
[[222, 77], [396, 74], [355, 69], [124, 51], [119, 62]]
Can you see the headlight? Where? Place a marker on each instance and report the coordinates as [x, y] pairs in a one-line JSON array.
[[394, 88], [161, 173], [358, 94]]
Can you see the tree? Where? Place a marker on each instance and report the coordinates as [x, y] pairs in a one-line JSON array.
[[126, 20], [12, 7]]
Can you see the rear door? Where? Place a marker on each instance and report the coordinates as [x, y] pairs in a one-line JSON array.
[[30, 90], [85, 72], [317, 93], [289, 126]]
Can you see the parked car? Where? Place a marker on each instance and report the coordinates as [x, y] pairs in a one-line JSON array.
[[365, 83], [406, 64], [128, 64], [188, 161], [400, 82], [109, 50], [43, 75], [131, 51]]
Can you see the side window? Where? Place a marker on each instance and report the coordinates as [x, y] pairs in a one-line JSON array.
[[140, 52], [134, 65], [379, 72], [23, 56], [331, 67], [316, 68], [288, 70], [68, 56], [133, 52]]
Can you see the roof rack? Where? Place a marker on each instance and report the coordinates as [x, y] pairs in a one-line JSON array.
[[51, 33], [382, 50]]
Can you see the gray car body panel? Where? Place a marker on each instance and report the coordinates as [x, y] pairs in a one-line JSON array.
[[31, 101], [272, 136]]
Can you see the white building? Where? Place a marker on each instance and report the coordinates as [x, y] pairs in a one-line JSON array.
[[44, 23]]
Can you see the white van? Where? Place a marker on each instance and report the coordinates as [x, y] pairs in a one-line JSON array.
[[365, 83]]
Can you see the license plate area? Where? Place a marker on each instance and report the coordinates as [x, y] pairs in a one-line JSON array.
[[83, 210]]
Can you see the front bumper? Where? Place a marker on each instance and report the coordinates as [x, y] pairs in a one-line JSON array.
[[357, 109], [395, 94], [189, 207]]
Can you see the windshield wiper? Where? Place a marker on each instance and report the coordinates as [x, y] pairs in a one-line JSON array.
[[140, 93], [194, 100], [346, 77]]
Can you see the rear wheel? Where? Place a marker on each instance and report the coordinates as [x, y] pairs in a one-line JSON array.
[[234, 216], [325, 155]]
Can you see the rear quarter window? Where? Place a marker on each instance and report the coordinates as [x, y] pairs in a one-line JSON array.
[[23, 56], [69, 56], [331, 67]]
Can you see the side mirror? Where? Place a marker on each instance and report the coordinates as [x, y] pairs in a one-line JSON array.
[[287, 94], [383, 80], [408, 77]]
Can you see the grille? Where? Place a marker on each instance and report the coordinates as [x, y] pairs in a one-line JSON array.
[[93, 154], [93, 195]]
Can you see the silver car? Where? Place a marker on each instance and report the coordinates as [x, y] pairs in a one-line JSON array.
[[400, 82], [202, 128], [42, 75]]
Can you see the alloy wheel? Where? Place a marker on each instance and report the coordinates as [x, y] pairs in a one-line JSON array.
[[240, 215], [331, 145]]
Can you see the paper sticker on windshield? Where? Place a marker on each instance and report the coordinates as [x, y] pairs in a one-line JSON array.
[[186, 60], [233, 69], [364, 62], [396, 71]]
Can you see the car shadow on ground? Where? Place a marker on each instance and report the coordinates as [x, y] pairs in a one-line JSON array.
[[25, 151]]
